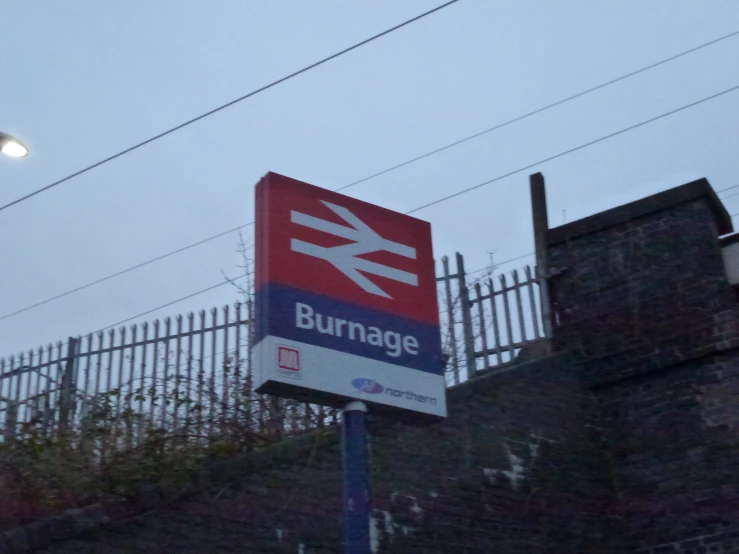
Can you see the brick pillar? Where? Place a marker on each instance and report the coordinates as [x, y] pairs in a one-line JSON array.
[[642, 298], [643, 285]]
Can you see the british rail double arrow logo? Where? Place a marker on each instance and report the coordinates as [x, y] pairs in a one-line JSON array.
[[345, 257]]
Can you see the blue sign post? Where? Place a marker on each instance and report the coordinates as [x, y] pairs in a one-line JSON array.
[[346, 316], [356, 479]]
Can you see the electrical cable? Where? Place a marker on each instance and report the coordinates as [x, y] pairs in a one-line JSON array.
[[388, 170], [730, 196], [224, 106], [543, 109], [490, 181], [577, 148], [727, 188], [160, 307], [118, 273]]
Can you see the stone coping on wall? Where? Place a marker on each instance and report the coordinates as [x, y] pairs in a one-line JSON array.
[[689, 192]]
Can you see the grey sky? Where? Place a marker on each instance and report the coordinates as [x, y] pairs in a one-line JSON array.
[[83, 79]]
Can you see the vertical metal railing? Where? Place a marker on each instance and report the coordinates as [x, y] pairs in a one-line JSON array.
[[486, 321], [136, 379], [196, 378]]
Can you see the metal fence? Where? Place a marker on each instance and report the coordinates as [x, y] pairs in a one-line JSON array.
[[192, 371], [193, 375], [486, 318]]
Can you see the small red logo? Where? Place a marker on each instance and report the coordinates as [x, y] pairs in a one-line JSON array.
[[288, 358]]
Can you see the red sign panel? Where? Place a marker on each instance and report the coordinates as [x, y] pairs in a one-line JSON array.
[[385, 261]]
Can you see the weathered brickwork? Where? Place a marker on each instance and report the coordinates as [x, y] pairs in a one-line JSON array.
[[645, 294], [646, 307], [511, 470], [674, 439], [513, 449]]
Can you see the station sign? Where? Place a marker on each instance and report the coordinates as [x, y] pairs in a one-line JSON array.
[[346, 305]]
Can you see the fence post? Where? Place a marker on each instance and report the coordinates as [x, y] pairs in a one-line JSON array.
[[541, 227], [451, 319], [66, 398], [11, 420], [464, 300]]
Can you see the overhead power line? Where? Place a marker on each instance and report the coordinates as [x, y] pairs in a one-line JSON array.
[[500, 177], [227, 105], [220, 284], [496, 265], [147, 312], [121, 272], [384, 171], [542, 109], [575, 149], [729, 195], [727, 188]]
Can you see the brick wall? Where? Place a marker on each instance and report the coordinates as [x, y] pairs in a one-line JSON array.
[[644, 304], [674, 438], [644, 294], [511, 470]]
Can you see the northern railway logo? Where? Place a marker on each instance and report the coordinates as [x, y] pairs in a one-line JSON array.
[[368, 385], [345, 257]]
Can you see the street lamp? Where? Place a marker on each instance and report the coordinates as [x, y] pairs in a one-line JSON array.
[[11, 146]]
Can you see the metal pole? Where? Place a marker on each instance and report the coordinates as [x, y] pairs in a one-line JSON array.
[[68, 385], [464, 300], [541, 227], [451, 319], [11, 420], [356, 479]]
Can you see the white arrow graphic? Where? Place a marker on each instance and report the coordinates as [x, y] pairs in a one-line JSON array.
[[344, 257]]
